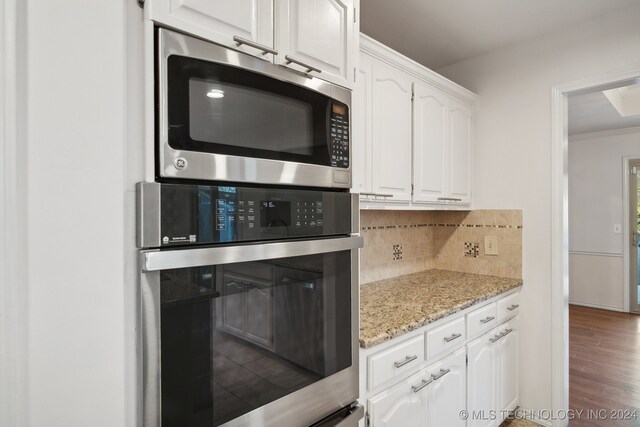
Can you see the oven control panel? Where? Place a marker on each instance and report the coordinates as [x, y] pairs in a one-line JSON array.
[[186, 214], [339, 136]]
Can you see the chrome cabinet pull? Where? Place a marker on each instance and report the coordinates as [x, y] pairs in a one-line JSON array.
[[506, 332], [496, 338], [513, 307], [452, 337], [423, 384], [407, 359], [376, 194], [265, 49], [487, 319], [309, 68], [449, 199], [442, 373]]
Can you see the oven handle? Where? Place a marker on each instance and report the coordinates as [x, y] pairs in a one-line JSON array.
[[155, 260]]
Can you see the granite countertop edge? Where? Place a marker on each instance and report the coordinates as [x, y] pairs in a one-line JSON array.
[[394, 332]]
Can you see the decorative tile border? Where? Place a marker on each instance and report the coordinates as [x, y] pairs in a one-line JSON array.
[[386, 227]]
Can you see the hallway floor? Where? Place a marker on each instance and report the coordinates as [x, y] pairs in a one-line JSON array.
[[604, 367]]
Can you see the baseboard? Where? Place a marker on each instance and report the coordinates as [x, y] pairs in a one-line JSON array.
[[600, 306]]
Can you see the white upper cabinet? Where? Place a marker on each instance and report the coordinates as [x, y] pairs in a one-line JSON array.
[[460, 129], [391, 148], [220, 21], [361, 127], [317, 35], [430, 133]]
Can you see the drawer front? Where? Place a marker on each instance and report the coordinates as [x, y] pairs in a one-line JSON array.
[[446, 337], [395, 361], [508, 307], [482, 319]]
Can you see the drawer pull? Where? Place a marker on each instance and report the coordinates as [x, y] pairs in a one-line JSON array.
[[452, 337], [487, 319], [423, 384], [407, 359], [442, 373], [513, 307]]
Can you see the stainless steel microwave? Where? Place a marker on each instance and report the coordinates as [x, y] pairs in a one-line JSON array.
[[224, 115]]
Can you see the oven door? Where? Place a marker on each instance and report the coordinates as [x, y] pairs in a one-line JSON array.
[[228, 116], [251, 335]]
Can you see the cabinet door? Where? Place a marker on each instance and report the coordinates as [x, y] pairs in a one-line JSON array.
[[481, 382], [400, 405], [361, 127], [447, 394], [391, 150], [460, 134], [220, 20], [430, 133], [319, 33], [260, 316], [234, 308], [507, 350]]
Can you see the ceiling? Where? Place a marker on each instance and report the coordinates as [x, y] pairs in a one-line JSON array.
[[593, 112], [438, 33]]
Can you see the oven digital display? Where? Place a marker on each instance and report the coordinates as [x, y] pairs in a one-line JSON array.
[[275, 213]]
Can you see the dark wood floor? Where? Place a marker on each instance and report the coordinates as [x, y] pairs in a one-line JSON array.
[[604, 366]]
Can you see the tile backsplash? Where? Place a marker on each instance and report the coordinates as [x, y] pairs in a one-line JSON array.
[[404, 242]]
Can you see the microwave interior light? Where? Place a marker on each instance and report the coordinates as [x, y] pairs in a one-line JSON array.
[[215, 93]]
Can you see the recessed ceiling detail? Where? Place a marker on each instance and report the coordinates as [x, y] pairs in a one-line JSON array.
[[626, 100]]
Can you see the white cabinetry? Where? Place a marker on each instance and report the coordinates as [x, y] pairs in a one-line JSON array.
[[492, 387], [404, 404], [446, 396], [317, 37], [412, 137]]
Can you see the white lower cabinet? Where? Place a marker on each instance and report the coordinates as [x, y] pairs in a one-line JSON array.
[[478, 376], [492, 387]]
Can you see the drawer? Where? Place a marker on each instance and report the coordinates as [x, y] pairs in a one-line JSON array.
[[508, 307], [446, 337], [482, 319], [394, 361]]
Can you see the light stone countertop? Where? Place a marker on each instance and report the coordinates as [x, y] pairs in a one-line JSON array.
[[392, 307]]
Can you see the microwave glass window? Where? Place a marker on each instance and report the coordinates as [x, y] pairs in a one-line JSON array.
[[238, 336], [240, 116]]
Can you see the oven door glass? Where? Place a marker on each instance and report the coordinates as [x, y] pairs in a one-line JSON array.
[[220, 109], [236, 337]]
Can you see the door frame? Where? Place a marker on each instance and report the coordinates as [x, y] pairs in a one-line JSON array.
[[627, 229], [559, 280]]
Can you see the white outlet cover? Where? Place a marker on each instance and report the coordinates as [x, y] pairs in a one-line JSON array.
[[490, 245]]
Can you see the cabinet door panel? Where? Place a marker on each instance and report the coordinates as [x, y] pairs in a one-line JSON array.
[[361, 127], [447, 394], [481, 381], [430, 135], [391, 132], [260, 316], [319, 33], [400, 406], [508, 366], [220, 20], [460, 128]]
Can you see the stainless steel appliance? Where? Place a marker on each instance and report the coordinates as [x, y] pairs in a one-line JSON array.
[[224, 115], [250, 306]]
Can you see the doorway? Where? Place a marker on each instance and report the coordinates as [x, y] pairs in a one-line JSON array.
[[633, 180]]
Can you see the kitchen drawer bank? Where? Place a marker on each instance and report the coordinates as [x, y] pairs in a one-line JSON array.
[[423, 375]]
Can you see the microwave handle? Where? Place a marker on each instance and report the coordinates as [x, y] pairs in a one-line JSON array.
[[155, 260]]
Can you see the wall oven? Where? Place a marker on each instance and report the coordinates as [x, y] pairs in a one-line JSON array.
[[249, 306], [225, 115]]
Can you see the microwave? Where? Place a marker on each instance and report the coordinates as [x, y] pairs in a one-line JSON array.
[[224, 115]]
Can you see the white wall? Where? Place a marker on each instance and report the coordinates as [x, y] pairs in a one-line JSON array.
[[596, 265], [513, 153]]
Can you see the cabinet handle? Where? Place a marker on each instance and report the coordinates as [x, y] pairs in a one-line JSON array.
[[265, 49], [449, 199], [423, 384], [376, 194], [487, 319], [442, 373], [406, 360], [309, 68], [496, 338], [513, 307], [506, 332], [452, 337]]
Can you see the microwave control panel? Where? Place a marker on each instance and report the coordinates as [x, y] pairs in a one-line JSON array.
[[339, 136], [205, 214]]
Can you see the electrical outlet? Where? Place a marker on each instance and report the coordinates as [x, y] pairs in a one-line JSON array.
[[617, 228], [490, 245]]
